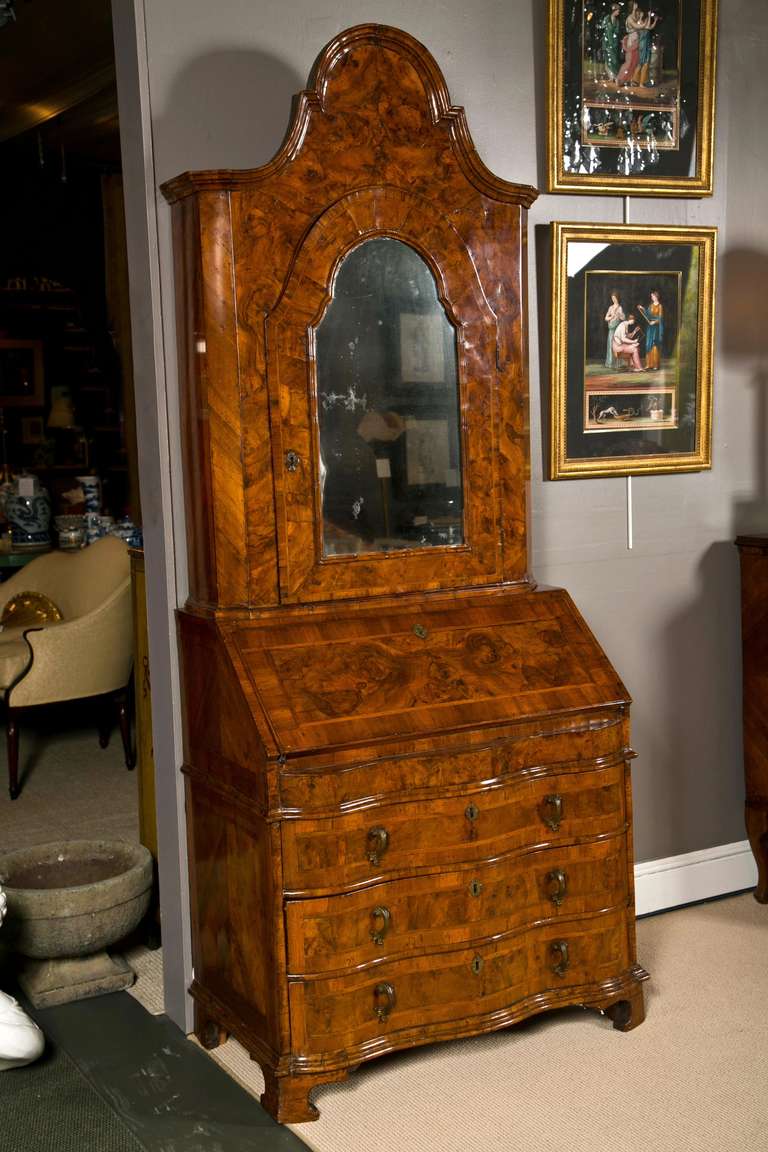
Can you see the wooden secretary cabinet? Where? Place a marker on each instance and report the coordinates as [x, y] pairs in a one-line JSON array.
[[408, 793]]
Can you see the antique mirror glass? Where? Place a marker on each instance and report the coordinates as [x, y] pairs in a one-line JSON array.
[[388, 406]]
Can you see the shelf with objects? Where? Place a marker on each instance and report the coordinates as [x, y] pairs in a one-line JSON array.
[[66, 389], [62, 431]]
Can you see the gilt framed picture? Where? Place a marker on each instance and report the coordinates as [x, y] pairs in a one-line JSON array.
[[631, 96], [632, 344]]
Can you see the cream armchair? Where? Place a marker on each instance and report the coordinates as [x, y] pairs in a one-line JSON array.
[[88, 653]]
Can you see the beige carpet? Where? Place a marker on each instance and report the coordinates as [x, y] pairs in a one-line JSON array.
[[71, 788], [692, 1078]]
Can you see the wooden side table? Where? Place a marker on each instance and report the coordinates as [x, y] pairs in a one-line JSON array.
[[753, 553]]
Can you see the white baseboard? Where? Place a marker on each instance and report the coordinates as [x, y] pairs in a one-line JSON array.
[[676, 880]]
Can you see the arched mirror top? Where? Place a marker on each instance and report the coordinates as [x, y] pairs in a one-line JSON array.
[[387, 383]]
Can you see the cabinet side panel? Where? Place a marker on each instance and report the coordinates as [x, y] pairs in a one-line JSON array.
[[223, 408], [235, 871], [210, 402], [237, 956], [221, 743]]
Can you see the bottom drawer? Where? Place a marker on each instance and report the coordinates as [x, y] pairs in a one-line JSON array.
[[392, 1000]]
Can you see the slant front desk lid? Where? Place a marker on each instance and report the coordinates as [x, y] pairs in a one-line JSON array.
[[319, 682]]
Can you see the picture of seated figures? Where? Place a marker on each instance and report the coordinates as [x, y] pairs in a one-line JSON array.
[[632, 338]]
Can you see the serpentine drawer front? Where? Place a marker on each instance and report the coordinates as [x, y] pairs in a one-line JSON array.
[[386, 839], [387, 1003], [422, 913], [545, 745], [407, 767]]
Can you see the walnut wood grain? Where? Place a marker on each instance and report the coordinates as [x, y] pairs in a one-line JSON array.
[[421, 914], [371, 676], [267, 245], [337, 1015], [334, 853], [529, 750], [753, 552], [407, 774], [305, 574]]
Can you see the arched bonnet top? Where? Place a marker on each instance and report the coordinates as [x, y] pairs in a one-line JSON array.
[[350, 96]]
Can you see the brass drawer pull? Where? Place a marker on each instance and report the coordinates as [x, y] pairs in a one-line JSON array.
[[384, 1000], [381, 918], [471, 811], [557, 886], [551, 810], [420, 631], [377, 842], [558, 951]]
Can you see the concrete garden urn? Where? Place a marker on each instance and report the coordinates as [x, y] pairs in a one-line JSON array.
[[67, 903]]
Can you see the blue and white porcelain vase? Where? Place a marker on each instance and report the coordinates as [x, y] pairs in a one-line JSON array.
[[29, 516]]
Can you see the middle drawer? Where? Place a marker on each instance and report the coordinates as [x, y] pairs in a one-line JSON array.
[[400, 917]]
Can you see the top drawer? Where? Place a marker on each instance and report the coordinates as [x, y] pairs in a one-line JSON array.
[[359, 847], [574, 741]]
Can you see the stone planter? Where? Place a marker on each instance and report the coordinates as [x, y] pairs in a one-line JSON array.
[[68, 902]]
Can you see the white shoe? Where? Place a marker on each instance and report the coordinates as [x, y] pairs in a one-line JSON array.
[[21, 1041]]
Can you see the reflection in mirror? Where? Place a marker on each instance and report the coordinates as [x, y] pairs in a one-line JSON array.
[[388, 406]]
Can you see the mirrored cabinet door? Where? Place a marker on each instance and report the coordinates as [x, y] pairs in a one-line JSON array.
[[386, 421]]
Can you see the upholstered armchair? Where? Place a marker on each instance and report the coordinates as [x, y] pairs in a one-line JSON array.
[[89, 652]]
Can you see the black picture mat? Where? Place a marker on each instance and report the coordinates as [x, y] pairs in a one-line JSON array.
[[677, 164], [650, 259]]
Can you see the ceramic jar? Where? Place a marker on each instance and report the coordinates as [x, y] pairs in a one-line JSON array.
[[91, 486], [30, 518]]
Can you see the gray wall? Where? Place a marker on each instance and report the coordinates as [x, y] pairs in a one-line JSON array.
[[219, 83]]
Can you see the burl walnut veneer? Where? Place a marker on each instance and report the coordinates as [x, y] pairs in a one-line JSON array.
[[407, 767]]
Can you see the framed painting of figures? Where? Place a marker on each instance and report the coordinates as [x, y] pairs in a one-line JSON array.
[[631, 96], [631, 356]]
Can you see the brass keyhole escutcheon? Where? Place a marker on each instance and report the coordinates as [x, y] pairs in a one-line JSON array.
[[376, 843], [551, 811], [475, 888], [477, 964], [292, 460], [472, 812], [420, 631]]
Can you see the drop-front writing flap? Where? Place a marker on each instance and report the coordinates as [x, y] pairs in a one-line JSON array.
[[377, 676]]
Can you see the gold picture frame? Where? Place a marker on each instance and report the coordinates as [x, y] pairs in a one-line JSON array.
[[632, 349], [631, 97]]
